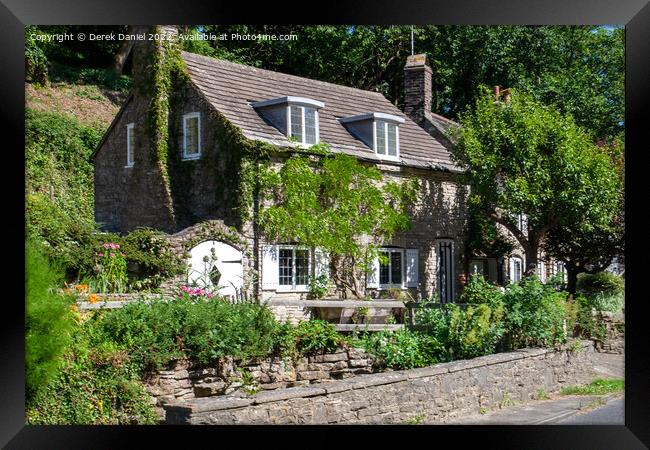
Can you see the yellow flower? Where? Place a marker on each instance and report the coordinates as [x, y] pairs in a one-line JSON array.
[[81, 288], [92, 298], [73, 307]]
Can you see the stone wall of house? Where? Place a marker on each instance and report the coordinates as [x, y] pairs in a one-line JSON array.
[[198, 189], [185, 380], [128, 197], [614, 341], [437, 393]]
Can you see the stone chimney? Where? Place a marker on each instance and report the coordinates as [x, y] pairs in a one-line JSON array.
[[143, 50], [417, 88]]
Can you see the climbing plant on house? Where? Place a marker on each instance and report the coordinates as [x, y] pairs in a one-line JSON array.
[[335, 203], [526, 157]]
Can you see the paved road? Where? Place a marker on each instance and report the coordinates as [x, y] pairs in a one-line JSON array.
[[613, 413]]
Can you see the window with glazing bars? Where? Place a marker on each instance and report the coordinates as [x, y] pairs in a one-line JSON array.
[[304, 124], [386, 138], [293, 267], [391, 271]]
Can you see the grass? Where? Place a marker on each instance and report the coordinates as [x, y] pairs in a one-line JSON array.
[[542, 395], [417, 420], [506, 400], [597, 387]]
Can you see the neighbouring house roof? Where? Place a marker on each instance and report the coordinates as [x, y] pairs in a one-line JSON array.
[[231, 88]]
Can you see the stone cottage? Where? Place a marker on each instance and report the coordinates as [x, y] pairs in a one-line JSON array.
[[182, 171]]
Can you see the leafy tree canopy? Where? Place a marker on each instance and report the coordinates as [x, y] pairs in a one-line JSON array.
[[525, 157]]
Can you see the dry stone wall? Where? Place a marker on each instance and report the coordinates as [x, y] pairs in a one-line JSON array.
[[614, 341], [184, 380], [437, 393]]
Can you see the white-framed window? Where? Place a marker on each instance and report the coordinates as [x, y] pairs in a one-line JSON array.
[[289, 267], [516, 269], [294, 265], [399, 268], [192, 135], [386, 139], [391, 269], [130, 144], [303, 124]]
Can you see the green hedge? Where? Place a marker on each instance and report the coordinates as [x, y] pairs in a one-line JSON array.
[[48, 319]]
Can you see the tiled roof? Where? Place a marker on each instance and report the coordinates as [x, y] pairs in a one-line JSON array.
[[232, 87]]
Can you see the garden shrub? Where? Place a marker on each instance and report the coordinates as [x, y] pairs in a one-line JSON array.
[[587, 325], [59, 186], [48, 320], [535, 314], [306, 338], [604, 291], [465, 333], [401, 349], [600, 283], [152, 259], [479, 291], [206, 330], [97, 385]]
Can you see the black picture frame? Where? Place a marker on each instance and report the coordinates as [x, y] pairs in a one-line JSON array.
[[634, 14]]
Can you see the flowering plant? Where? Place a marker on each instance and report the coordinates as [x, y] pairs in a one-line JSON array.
[[110, 269], [195, 293]]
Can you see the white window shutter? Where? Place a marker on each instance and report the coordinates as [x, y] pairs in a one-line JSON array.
[[412, 267], [372, 280], [270, 268], [322, 263]]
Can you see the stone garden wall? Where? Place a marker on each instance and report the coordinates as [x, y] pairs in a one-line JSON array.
[[614, 341], [184, 381], [437, 393]]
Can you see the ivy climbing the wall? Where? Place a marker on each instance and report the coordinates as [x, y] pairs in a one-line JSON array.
[[337, 204]]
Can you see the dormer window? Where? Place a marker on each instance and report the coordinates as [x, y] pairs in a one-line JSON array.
[[303, 124], [386, 138], [378, 131], [295, 117]]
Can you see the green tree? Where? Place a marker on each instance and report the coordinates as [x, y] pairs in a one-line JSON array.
[[337, 204], [585, 248], [525, 157]]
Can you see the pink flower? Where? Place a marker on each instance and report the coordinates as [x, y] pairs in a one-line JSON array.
[[112, 254], [122, 254], [100, 254], [106, 246]]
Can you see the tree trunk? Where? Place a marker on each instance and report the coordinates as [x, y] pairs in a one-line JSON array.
[[531, 258], [572, 280], [119, 59]]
